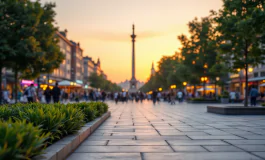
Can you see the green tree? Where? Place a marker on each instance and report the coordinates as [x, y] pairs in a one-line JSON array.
[[199, 51], [240, 24], [98, 81], [29, 46], [20, 19]]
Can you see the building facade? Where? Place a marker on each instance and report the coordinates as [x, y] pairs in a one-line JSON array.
[[77, 63], [64, 71], [88, 66]]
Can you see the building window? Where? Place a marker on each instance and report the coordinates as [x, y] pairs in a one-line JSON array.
[[256, 74], [262, 74]]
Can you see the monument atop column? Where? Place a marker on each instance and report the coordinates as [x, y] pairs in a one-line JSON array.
[[133, 81]]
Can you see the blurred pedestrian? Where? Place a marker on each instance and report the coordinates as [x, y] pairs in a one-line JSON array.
[[48, 95], [103, 94], [56, 92], [172, 97], [154, 96], [30, 92], [232, 96], [253, 96]]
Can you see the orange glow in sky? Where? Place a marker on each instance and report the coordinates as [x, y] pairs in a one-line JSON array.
[[103, 28]]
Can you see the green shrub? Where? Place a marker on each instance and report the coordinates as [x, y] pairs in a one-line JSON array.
[[49, 118], [88, 110], [202, 99], [20, 140], [74, 119], [99, 108], [225, 94], [106, 107]]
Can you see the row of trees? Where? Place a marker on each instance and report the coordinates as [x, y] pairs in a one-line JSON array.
[[98, 81], [225, 41]]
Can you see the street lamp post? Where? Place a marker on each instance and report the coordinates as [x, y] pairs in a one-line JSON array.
[[216, 80], [204, 80]]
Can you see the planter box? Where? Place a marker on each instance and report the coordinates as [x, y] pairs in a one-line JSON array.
[[224, 100], [64, 147], [236, 110]]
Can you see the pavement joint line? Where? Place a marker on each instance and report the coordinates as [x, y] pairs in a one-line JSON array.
[[205, 148], [170, 146], [107, 142]]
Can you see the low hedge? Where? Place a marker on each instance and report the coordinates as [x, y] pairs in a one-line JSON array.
[[202, 99], [52, 120]]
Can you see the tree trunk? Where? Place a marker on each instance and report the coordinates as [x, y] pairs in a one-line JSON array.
[[246, 83], [1, 95], [48, 79], [16, 73], [246, 71]]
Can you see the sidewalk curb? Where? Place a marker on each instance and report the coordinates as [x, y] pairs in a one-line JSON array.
[[64, 147]]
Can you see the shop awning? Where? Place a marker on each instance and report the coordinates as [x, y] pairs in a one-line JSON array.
[[262, 85], [256, 79], [206, 89], [69, 83]]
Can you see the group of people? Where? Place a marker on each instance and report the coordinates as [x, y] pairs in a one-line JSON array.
[[125, 96], [35, 96], [170, 96], [253, 95]]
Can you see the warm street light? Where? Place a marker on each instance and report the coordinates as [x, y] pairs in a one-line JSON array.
[[250, 70], [184, 83], [173, 86], [205, 66], [217, 78], [160, 89], [50, 81], [204, 80], [193, 62], [238, 69], [216, 94]]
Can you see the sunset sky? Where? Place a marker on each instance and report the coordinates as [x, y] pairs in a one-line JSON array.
[[103, 28]]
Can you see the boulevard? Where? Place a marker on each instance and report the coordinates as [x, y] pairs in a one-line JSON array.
[[143, 131]]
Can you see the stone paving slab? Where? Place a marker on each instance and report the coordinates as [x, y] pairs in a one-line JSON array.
[[105, 156], [223, 149], [189, 149], [179, 132], [137, 143], [252, 148], [260, 154], [200, 156], [196, 142], [123, 149], [214, 137]]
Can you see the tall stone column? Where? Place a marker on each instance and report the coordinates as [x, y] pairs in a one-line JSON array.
[[133, 54], [133, 82]]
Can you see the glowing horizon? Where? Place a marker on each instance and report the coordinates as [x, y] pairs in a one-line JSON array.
[[103, 29]]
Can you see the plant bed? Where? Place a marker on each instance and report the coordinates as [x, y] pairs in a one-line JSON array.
[[64, 147], [49, 123], [202, 100], [236, 110]]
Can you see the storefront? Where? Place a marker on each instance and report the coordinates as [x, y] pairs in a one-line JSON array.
[[258, 82]]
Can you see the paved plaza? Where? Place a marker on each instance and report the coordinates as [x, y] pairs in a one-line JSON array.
[[142, 131]]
